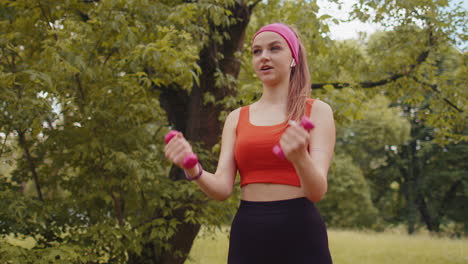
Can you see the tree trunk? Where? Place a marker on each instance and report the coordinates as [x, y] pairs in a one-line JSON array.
[[198, 121], [410, 189], [30, 161], [431, 222]]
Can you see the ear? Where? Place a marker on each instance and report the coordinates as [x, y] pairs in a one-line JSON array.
[[293, 63]]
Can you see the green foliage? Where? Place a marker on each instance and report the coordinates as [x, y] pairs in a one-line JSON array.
[[360, 149], [77, 93], [367, 139], [81, 123], [348, 203], [421, 31], [428, 181]]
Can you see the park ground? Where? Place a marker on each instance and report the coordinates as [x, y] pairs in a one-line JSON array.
[[347, 247], [351, 247]]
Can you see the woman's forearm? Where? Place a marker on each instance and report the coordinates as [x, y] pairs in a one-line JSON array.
[[212, 184], [313, 178]]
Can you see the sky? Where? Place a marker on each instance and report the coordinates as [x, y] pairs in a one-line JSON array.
[[350, 30], [344, 30]]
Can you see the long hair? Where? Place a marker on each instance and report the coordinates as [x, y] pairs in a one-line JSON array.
[[299, 85]]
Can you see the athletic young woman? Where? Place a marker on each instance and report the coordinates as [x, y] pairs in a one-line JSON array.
[[277, 221]]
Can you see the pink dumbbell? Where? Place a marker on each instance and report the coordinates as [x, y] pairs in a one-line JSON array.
[[191, 159], [306, 124]]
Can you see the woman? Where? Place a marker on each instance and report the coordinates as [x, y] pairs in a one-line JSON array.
[[277, 221]]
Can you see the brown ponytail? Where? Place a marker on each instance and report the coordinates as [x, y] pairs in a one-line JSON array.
[[299, 86]]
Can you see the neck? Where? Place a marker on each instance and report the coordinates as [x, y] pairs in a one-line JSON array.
[[275, 94]]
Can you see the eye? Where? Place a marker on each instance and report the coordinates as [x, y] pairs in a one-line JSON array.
[[256, 51], [275, 48]]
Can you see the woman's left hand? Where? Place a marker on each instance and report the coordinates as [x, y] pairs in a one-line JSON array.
[[294, 142]]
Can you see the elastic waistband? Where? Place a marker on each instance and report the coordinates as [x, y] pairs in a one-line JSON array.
[[275, 206]]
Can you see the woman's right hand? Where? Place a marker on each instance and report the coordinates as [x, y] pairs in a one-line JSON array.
[[177, 149]]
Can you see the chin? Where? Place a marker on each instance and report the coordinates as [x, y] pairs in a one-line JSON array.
[[267, 79], [270, 81]]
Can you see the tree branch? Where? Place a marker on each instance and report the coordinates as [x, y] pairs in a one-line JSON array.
[[435, 88], [252, 5], [420, 60], [340, 85], [113, 50]]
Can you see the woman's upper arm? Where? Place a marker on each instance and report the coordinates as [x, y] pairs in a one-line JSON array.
[[323, 136], [227, 168]]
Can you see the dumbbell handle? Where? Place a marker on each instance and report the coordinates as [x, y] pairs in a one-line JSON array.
[[306, 124], [190, 160]]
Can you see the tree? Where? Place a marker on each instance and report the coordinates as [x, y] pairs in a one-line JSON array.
[[429, 179], [421, 31], [83, 88], [88, 88], [360, 149]]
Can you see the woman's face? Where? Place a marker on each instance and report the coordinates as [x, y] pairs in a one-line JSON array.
[[271, 58]]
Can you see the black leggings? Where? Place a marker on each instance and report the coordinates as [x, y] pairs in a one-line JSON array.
[[286, 232]]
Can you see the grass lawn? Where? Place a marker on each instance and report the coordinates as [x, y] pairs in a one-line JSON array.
[[351, 247]]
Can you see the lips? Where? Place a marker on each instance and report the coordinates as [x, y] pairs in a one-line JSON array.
[[266, 68]]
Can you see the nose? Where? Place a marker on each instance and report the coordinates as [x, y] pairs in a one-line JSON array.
[[265, 56]]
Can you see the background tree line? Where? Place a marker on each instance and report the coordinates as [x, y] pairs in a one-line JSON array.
[[89, 88]]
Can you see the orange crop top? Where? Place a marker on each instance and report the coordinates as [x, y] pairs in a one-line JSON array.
[[253, 152]]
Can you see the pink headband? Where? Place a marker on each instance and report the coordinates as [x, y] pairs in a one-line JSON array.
[[287, 34]]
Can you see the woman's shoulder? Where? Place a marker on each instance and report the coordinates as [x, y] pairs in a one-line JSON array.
[[233, 117], [234, 113], [319, 103], [320, 107]]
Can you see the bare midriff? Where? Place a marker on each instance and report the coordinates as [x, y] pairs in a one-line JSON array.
[[262, 192]]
